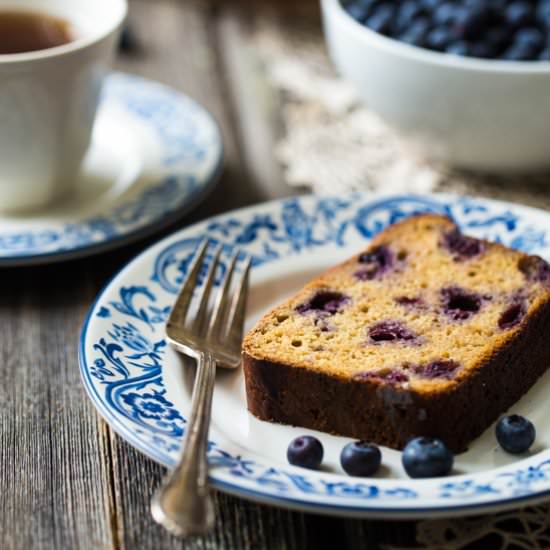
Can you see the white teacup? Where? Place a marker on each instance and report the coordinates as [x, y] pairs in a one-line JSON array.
[[48, 101]]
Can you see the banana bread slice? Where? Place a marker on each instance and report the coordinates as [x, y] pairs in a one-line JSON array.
[[427, 332]]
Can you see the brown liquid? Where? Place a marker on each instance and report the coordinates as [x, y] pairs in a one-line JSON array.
[[27, 31]]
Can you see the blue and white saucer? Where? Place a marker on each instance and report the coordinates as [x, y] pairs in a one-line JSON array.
[[155, 154], [142, 387]]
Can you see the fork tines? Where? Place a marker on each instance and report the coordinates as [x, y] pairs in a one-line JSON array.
[[224, 318]]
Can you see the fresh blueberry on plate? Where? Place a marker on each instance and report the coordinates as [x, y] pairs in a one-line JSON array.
[[360, 458], [427, 457], [515, 433], [305, 451]]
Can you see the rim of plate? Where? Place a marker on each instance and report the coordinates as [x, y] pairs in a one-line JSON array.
[[468, 507], [190, 202]]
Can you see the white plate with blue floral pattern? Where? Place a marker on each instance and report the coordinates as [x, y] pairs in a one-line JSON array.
[[142, 387], [154, 155]]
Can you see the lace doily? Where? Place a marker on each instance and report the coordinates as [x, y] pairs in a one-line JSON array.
[[527, 529], [331, 144]]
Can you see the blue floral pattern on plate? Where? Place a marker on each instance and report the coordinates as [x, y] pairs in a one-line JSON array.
[[190, 153], [123, 348]]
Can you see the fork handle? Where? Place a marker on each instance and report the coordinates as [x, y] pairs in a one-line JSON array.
[[183, 504]]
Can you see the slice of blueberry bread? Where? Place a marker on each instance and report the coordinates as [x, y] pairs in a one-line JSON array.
[[427, 332]]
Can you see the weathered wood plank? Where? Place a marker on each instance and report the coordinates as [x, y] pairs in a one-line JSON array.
[[53, 480], [377, 534], [255, 103]]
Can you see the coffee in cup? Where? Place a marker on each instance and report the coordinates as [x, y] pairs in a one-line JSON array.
[[27, 31], [50, 83]]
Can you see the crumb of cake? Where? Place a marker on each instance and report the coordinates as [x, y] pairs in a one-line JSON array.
[[323, 325], [460, 304], [461, 246], [391, 331]]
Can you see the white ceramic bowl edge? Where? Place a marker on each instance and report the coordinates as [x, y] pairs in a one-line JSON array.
[[476, 114]]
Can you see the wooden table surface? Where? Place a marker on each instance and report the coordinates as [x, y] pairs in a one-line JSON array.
[[66, 479]]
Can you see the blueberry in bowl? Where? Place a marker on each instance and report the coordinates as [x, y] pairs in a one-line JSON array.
[[466, 82]]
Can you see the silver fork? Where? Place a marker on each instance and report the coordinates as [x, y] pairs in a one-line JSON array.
[[182, 504]]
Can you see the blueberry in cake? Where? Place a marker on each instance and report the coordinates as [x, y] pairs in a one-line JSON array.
[[428, 332]]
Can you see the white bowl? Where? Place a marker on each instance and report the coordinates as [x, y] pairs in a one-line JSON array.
[[472, 113]]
